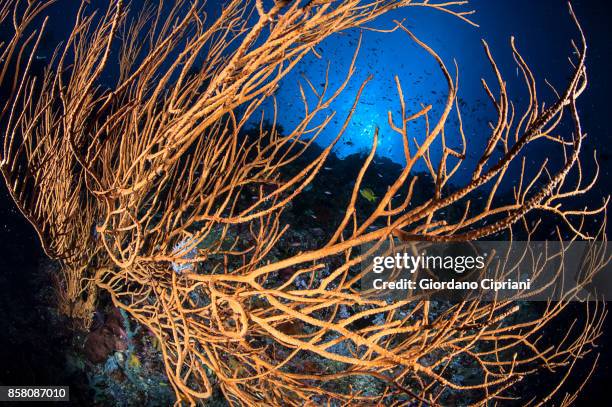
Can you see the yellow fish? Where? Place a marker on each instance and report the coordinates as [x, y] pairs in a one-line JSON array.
[[368, 194], [134, 362], [156, 344]]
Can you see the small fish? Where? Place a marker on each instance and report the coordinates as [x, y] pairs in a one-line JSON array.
[[327, 193], [134, 362], [156, 344], [368, 194], [327, 168]]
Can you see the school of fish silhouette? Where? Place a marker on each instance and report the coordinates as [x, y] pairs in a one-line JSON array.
[[149, 191]]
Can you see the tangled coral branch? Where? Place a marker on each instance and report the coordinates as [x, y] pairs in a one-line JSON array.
[[139, 188]]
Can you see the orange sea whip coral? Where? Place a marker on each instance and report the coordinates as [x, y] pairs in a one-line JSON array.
[[137, 187]]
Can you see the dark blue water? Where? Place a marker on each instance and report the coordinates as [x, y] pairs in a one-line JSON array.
[[543, 31]]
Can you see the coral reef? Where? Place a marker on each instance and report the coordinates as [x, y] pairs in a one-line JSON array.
[[217, 242]]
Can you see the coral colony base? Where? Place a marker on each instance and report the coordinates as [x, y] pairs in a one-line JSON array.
[[163, 204]]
